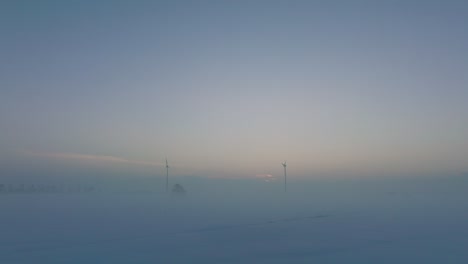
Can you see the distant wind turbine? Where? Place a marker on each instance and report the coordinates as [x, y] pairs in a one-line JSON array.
[[167, 176], [284, 165]]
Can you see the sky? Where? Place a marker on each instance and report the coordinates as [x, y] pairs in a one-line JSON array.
[[233, 88]]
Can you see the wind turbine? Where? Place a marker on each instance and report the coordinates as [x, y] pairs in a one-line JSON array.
[[284, 165], [167, 176]]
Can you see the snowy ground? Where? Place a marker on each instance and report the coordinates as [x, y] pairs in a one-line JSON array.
[[356, 225]]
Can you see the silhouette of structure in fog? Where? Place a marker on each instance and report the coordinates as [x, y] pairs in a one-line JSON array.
[[167, 176], [178, 189], [285, 183]]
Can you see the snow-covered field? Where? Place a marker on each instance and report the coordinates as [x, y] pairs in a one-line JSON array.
[[329, 224]]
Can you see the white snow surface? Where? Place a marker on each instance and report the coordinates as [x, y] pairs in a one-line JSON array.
[[321, 225]]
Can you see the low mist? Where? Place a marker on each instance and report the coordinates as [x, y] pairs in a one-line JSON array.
[[134, 220]]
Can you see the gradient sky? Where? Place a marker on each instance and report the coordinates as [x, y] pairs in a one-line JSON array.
[[233, 88]]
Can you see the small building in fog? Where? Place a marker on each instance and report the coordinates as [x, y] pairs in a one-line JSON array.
[[178, 190]]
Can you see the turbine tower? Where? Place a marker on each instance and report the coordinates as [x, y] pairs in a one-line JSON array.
[[284, 165], [167, 176]]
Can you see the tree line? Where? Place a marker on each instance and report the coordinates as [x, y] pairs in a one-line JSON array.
[[47, 188]]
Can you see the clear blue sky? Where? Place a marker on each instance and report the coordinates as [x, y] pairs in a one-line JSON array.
[[233, 88]]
